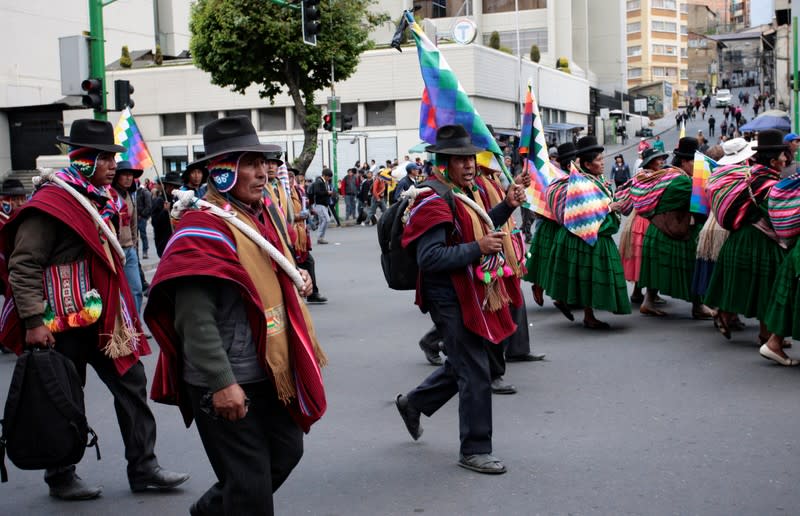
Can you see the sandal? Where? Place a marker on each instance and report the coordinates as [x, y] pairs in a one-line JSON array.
[[483, 463], [645, 310], [564, 310], [538, 294], [596, 325], [722, 326], [771, 355]]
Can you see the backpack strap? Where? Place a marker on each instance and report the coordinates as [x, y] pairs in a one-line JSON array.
[[443, 191], [12, 405], [56, 392]]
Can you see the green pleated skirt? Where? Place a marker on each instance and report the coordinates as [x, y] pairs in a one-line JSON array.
[[668, 264], [783, 313], [539, 253], [588, 276], [744, 275]]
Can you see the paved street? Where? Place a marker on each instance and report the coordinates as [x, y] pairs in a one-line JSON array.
[[655, 417]]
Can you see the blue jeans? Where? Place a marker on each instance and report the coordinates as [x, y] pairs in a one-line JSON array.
[[143, 235], [324, 218], [350, 206], [132, 275]]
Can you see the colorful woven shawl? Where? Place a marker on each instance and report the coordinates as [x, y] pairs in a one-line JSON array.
[[648, 186], [784, 207], [736, 191], [556, 197], [586, 206]]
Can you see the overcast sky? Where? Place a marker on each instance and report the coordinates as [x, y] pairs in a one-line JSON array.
[[761, 11]]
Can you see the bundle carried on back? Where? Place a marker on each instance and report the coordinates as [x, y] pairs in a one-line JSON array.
[[784, 207]]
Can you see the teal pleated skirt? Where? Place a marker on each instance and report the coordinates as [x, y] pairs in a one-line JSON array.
[[539, 252]]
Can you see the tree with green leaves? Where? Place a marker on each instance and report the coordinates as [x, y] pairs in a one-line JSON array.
[[246, 42]]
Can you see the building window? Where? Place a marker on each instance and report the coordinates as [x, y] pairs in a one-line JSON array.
[[684, 52], [634, 73], [658, 71], [238, 112], [665, 50], [634, 27], [664, 26], [527, 38], [201, 118], [198, 152], [684, 30], [296, 121], [635, 50], [500, 6], [664, 4], [633, 5], [684, 74], [175, 158], [380, 113], [173, 124], [272, 119], [684, 7]]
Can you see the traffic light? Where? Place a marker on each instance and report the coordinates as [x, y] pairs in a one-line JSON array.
[[310, 20], [93, 98], [347, 122], [327, 122], [122, 95]]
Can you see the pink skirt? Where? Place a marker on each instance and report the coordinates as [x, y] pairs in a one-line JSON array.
[[631, 248]]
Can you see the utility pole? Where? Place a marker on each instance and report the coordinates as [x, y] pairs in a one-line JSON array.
[[795, 98], [97, 53]]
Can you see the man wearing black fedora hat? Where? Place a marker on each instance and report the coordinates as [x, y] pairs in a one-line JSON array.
[[160, 220], [459, 254], [12, 196], [122, 192], [67, 229], [239, 354]]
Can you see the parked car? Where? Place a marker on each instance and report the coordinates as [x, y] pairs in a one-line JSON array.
[[723, 98], [645, 132]]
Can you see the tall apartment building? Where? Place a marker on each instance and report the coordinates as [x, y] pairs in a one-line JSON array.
[[657, 42], [739, 14], [721, 8]]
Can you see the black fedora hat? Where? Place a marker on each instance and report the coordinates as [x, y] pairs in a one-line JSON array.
[[197, 165], [687, 146], [588, 144], [127, 166], [651, 153], [274, 156], [172, 178], [566, 151], [453, 140], [231, 134], [12, 187], [94, 134], [771, 139]]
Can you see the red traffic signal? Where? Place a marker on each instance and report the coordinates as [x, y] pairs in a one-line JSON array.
[[327, 122]]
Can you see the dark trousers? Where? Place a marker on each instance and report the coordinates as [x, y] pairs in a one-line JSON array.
[[251, 457], [308, 266], [136, 422], [142, 225], [519, 344], [527, 221], [466, 372]]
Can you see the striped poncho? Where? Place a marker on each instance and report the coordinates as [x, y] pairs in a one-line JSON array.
[[648, 187]]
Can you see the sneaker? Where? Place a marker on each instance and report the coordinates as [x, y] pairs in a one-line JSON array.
[[322, 241]]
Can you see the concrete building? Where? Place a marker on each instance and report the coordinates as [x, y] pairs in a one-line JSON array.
[[702, 19], [657, 43], [704, 57], [174, 100]]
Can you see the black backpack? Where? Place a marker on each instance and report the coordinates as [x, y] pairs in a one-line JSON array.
[[400, 264], [44, 423]]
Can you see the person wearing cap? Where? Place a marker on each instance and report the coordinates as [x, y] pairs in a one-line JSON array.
[[793, 141], [459, 255], [670, 244], [12, 197], [160, 219], [69, 228], [743, 280], [584, 275], [122, 193], [546, 228], [194, 178], [413, 172], [238, 347]]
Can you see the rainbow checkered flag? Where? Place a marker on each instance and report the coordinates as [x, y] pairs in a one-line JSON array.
[[586, 207], [444, 100], [538, 163], [703, 165], [127, 133]]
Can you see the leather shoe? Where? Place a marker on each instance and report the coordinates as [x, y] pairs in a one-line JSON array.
[[158, 478], [316, 299], [75, 489], [530, 357], [482, 463], [499, 386], [767, 353], [431, 355], [410, 416]]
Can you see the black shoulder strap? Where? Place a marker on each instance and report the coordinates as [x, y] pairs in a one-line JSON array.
[[444, 192]]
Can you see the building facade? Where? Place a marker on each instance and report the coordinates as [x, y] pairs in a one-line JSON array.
[[657, 43]]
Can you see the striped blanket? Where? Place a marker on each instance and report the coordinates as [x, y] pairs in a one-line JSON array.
[[784, 207], [556, 197], [623, 196], [648, 187], [736, 191]]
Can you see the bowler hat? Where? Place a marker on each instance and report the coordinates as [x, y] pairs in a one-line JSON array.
[[686, 148], [453, 140], [127, 166], [588, 144], [197, 165], [231, 134], [172, 178], [651, 153], [94, 134], [12, 187], [566, 150], [274, 156], [771, 139]]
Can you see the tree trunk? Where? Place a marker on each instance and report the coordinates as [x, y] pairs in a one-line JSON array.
[[306, 110]]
